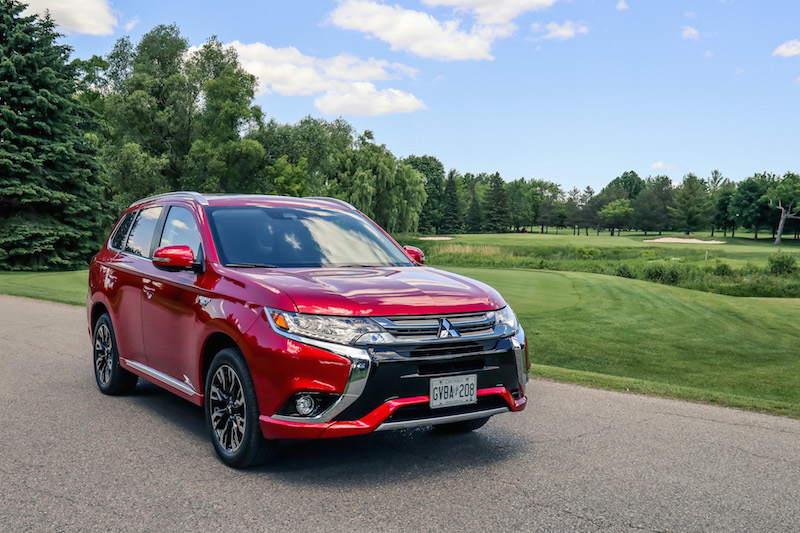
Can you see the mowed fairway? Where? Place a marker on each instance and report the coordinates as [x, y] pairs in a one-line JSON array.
[[635, 335]]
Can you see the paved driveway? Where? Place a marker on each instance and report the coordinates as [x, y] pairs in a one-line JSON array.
[[577, 459]]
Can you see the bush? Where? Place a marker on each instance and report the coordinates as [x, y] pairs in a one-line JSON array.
[[624, 271], [782, 263], [587, 253], [723, 269]]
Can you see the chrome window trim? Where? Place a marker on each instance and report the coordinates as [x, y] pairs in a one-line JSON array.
[[360, 364], [447, 419]]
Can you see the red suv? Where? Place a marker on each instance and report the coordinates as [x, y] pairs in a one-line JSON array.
[[296, 318]]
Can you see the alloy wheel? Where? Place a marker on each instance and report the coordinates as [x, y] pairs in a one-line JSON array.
[[227, 408], [103, 354]]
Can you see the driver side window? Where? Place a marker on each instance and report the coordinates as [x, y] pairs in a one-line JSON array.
[[180, 228]]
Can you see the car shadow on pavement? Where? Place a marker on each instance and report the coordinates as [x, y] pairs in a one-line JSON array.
[[374, 459]]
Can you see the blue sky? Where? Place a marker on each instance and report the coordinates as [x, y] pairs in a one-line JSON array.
[[575, 92]]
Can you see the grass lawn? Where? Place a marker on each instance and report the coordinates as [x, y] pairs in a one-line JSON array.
[[63, 287], [633, 335]]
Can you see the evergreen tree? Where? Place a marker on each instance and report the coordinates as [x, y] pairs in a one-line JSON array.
[[692, 210], [452, 210], [474, 219], [496, 206], [52, 209], [749, 206], [651, 206]]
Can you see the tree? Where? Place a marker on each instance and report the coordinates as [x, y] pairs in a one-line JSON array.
[[651, 206], [716, 181], [692, 209], [784, 195], [750, 205], [52, 200], [722, 215], [190, 110], [518, 203], [617, 214], [496, 205], [474, 222], [452, 216], [432, 172], [630, 182]]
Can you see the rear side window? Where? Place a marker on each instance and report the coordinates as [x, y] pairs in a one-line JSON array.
[[141, 236], [118, 238], [181, 229]]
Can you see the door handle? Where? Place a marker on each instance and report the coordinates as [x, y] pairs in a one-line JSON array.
[[148, 291]]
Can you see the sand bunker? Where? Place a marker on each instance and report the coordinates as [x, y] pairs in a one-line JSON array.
[[679, 240], [435, 238]]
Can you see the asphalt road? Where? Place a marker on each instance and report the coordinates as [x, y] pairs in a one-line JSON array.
[[576, 459]]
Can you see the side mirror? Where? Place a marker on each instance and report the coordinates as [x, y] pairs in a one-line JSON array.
[[416, 254], [173, 258]]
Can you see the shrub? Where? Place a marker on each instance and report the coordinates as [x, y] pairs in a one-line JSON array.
[[723, 269], [624, 271], [587, 253], [782, 263]]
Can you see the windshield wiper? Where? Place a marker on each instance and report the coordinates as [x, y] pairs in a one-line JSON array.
[[250, 265]]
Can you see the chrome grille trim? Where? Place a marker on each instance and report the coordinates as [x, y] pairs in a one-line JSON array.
[[425, 328]]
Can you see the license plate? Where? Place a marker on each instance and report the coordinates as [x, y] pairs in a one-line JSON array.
[[456, 390]]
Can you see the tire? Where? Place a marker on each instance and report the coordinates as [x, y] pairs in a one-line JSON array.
[[464, 426], [111, 378], [232, 412]]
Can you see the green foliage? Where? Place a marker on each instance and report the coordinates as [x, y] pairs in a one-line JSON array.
[[617, 214], [51, 193], [432, 172], [623, 270], [496, 206], [782, 263], [452, 217], [692, 208], [749, 206], [784, 195], [723, 269], [651, 206], [630, 182]]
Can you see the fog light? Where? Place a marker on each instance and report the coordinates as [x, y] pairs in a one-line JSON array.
[[305, 405]]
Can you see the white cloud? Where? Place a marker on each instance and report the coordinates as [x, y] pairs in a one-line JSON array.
[[562, 32], [662, 165], [363, 99], [418, 32], [490, 12], [689, 33], [93, 17], [622, 5], [132, 23], [344, 80], [788, 49], [709, 54]]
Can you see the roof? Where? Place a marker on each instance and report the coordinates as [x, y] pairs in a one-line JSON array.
[[248, 199]]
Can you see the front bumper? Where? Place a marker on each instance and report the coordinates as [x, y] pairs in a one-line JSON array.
[[379, 419], [394, 395]]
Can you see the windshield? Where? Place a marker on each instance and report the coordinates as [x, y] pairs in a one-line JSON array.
[[299, 237]]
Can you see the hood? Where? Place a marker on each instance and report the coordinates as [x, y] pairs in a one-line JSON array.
[[385, 291]]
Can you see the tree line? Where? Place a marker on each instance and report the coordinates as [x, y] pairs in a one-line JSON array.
[[83, 139]]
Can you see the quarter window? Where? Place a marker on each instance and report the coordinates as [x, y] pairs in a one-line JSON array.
[[118, 239], [141, 236], [180, 228]]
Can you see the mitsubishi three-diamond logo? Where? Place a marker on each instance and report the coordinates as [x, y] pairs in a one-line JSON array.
[[446, 329]]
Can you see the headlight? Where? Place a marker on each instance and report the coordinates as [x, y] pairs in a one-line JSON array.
[[341, 330], [506, 317]]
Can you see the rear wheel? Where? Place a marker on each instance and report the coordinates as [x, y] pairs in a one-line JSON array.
[[464, 426], [111, 377], [232, 412]]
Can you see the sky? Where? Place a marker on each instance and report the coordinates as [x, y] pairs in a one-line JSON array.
[[571, 91]]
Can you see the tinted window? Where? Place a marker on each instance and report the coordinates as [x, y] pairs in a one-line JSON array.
[[118, 238], [300, 237], [180, 228], [141, 236]]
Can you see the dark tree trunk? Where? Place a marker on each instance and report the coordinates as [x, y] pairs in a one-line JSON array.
[[712, 231]]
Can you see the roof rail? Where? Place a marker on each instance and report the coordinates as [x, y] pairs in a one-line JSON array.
[[194, 195], [336, 201]]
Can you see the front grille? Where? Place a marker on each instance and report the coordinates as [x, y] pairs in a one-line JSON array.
[[426, 328], [440, 350]]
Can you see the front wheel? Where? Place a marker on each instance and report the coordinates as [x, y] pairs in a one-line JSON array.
[[464, 426], [111, 378], [232, 412]]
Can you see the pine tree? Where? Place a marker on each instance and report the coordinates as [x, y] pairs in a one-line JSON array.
[[496, 208], [452, 211], [51, 195]]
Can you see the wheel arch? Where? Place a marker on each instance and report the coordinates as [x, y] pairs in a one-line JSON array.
[[98, 309], [215, 342]]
